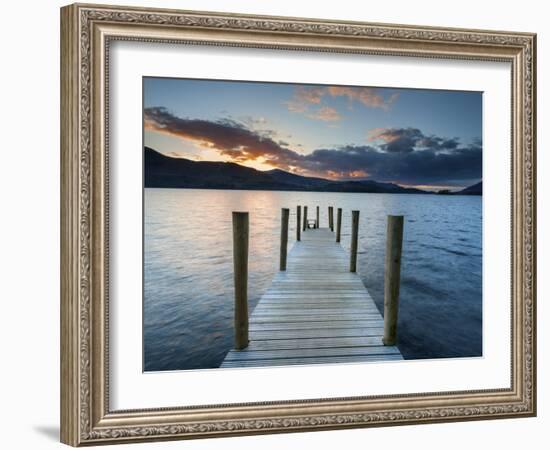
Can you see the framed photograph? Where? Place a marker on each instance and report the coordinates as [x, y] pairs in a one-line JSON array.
[[280, 224]]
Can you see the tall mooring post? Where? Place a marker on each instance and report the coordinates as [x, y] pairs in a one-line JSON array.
[[392, 278], [331, 218], [354, 241], [317, 218], [240, 275], [298, 222], [305, 218], [285, 212], [338, 224]]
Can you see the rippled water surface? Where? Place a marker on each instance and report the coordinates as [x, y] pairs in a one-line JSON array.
[[188, 279]]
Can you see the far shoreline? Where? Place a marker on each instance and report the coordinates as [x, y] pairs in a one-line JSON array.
[[204, 188]]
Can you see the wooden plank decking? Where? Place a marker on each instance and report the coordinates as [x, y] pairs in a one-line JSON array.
[[316, 312]]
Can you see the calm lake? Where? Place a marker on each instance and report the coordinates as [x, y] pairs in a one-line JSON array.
[[188, 267]]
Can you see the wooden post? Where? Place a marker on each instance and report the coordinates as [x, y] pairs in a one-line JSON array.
[[284, 237], [317, 219], [354, 241], [330, 217], [240, 274], [338, 224], [298, 221], [305, 218], [392, 277]]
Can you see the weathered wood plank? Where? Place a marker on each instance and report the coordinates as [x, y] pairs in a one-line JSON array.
[[316, 301], [248, 355], [306, 361], [321, 319], [316, 308], [272, 326], [285, 344], [325, 332], [298, 311], [317, 317], [322, 306]]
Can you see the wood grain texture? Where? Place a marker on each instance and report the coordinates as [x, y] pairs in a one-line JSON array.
[[316, 312], [392, 277], [354, 241], [240, 272], [285, 212], [298, 223]]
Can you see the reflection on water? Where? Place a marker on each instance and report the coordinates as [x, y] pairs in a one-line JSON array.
[[188, 279]]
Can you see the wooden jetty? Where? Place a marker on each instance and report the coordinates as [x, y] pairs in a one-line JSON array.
[[317, 311]]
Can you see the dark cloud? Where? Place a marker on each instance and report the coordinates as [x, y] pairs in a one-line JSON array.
[[403, 155], [414, 167], [227, 136], [406, 140], [438, 143]]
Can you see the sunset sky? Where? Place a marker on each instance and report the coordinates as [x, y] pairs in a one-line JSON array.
[[413, 137]]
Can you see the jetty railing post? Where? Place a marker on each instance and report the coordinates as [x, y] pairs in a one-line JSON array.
[[354, 241], [240, 275], [330, 217], [392, 276], [338, 224], [305, 218], [285, 212], [317, 219], [298, 221]]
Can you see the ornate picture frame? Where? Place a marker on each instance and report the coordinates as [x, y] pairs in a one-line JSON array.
[[87, 31]]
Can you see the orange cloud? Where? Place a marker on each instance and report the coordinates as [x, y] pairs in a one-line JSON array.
[[303, 97], [358, 174], [369, 97], [326, 114], [309, 95], [389, 135]]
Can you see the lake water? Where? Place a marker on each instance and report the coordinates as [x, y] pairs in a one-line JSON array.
[[188, 267]]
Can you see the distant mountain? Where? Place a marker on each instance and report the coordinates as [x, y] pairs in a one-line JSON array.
[[298, 180], [167, 172], [373, 187], [476, 189]]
